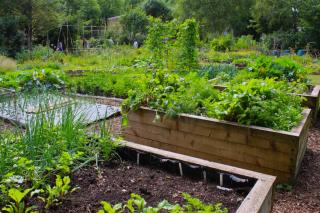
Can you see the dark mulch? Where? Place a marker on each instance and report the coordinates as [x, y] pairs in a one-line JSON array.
[[305, 196], [114, 183]]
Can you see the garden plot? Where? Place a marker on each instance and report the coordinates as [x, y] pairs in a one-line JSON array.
[[157, 174], [260, 149], [25, 108]]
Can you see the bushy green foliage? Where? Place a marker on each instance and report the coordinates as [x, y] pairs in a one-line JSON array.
[[160, 40], [245, 42], [255, 102], [280, 68], [137, 204], [156, 38], [109, 84], [258, 102], [157, 9], [40, 79], [12, 35], [280, 40], [172, 94], [134, 22], [187, 42], [222, 43]]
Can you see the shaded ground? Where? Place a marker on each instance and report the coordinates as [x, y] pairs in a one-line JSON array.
[[305, 196], [115, 182]]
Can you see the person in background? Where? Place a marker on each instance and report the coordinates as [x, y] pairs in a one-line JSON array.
[[135, 44], [60, 46]]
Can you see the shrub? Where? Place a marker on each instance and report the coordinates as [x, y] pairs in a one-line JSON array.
[[281, 40], [134, 22], [282, 68], [158, 9], [222, 43], [245, 42], [160, 39]]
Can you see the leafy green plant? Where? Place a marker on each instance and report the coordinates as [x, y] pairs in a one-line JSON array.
[[40, 79], [38, 52], [58, 192], [258, 102], [187, 42], [18, 205], [245, 42], [219, 72], [137, 204], [160, 39], [254, 102], [30, 157], [222, 43], [281, 68], [172, 94]]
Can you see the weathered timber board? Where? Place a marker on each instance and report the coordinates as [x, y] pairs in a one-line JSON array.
[[261, 149], [259, 199]]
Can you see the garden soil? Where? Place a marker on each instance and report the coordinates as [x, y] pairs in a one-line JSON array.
[[305, 195], [115, 182]]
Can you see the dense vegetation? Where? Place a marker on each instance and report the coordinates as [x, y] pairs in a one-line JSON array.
[[185, 49], [278, 24]]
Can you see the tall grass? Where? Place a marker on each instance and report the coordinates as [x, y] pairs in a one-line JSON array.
[[7, 64]]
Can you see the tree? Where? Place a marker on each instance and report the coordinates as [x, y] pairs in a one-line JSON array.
[[217, 16], [274, 15], [135, 23], [309, 22], [91, 11], [157, 9], [110, 8]]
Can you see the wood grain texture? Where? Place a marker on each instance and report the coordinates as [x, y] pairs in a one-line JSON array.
[[259, 199], [260, 149]]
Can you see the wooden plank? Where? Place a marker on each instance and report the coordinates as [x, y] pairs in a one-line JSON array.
[[251, 147], [197, 161], [147, 115], [282, 176], [259, 198], [208, 145], [283, 144]]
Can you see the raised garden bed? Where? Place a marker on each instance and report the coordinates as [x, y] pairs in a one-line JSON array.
[[259, 198], [254, 195], [312, 99], [265, 150]]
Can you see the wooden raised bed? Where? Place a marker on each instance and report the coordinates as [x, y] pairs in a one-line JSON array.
[[259, 199], [312, 100], [264, 150]]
